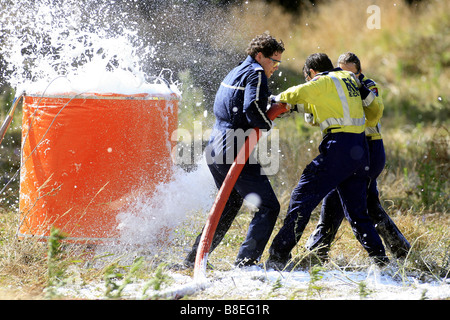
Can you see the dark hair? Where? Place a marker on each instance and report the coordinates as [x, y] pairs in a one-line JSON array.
[[350, 57], [319, 62], [266, 44]]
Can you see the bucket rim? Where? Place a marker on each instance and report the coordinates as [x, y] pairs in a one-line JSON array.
[[106, 96]]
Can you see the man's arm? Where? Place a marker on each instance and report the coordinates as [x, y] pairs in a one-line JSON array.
[[255, 101]]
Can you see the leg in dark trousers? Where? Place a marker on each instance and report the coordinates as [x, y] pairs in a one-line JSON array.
[[356, 214], [331, 216], [341, 164], [229, 213], [332, 213], [394, 240], [250, 181]]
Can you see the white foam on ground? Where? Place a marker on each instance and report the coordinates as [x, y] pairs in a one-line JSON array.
[[258, 284]]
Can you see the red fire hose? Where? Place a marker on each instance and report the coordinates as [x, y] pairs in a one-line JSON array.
[[228, 184]]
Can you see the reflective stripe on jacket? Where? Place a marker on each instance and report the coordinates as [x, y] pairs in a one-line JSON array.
[[240, 104], [333, 98], [241, 101], [374, 111]]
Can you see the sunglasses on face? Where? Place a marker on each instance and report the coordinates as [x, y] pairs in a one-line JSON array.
[[307, 76], [276, 63]]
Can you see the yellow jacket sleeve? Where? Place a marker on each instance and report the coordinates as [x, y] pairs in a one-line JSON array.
[[374, 111], [304, 93]]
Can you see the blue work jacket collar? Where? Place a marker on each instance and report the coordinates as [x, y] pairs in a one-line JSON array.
[[250, 60], [327, 72]]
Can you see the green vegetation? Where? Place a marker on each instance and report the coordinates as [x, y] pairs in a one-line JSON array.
[[409, 57]]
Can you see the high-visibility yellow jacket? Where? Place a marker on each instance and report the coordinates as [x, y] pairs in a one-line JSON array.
[[373, 111], [334, 100]]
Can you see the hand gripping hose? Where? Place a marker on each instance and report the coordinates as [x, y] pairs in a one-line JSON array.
[[227, 186]]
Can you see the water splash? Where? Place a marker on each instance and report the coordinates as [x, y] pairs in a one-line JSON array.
[[154, 221], [119, 46], [95, 45]]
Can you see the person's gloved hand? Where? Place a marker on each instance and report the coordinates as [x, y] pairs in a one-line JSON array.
[[309, 118]]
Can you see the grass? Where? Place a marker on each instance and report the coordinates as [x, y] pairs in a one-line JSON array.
[[406, 56], [26, 267]]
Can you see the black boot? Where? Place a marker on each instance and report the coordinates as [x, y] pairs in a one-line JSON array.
[[277, 262], [245, 262], [393, 239], [189, 261]]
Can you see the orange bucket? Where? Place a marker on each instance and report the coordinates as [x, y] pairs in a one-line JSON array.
[[86, 156]]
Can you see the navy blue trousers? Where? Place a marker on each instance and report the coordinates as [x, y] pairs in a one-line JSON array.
[[250, 181], [332, 213], [342, 165]]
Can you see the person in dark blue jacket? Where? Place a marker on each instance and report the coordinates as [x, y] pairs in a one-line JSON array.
[[240, 105]]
